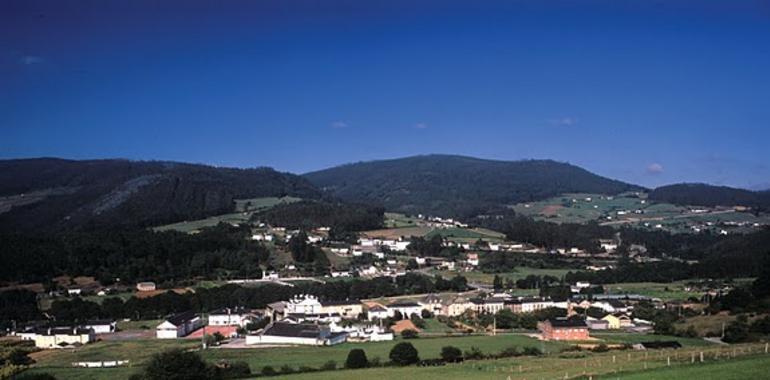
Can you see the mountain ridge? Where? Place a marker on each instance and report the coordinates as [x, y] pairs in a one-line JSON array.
[[453, 185], [59, 194]]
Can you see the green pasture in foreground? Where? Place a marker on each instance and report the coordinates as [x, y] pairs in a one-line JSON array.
[[625, 365]]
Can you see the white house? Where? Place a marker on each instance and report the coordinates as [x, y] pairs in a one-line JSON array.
[[104, 326], [231, 317], [178, 325], [377, 312], [363, 332], [64, 337], [297, 333], [262, 237], [406, 308]]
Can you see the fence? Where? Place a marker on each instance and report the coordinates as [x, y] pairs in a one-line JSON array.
[[101, 364], [573, 365]]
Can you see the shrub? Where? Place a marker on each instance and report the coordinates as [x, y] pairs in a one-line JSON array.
[[268, 371], [474, 354], [235, 370], [509, 352], [287, 369], [356, 359], [601, 348], [410, 334], [331, 365], [177, 364], [531, 351], [425, 313], [451, 354], [404, 354]]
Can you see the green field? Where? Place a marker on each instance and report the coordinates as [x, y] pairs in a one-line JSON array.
[[737, 369], [610, 365], [427, 346], [664, 291], [467, 235], [630, 338], [576, 208], [58, 362], [395, 220], [552, 365], [245, 208]]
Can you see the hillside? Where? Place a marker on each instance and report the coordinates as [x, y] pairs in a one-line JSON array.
[[455, 185], [700, 194], [55, 194]]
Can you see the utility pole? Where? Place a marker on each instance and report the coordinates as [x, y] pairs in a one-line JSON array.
[[203, 336]]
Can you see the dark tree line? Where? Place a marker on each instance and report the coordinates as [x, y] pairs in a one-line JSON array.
[[133, 255], [341, 217]]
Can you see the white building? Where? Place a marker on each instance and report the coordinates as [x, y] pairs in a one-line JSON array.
[[297, 333], [178, 325], [406, 308], [231, 317], [102, 326], [64, 337], [377, 312]]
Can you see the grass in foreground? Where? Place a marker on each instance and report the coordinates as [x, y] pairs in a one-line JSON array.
[[579, 365]]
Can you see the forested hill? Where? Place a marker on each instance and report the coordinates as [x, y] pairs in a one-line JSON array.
[[457, 186], [55, 194], [699, 194]]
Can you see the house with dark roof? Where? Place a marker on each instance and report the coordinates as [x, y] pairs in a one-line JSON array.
[[102, 326], [563, 329], [297, 334], [377, 312], [178, 325]]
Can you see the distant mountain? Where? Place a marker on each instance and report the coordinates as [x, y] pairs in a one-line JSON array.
[[56, 194], [699, 194], [449, 185]]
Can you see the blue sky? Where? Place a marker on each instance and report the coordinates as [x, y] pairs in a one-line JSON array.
[[650, 92]]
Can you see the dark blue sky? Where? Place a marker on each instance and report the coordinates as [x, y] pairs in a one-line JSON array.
[[650, 92]]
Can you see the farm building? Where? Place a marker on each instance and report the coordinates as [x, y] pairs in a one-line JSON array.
[[178, 325], [563, 329], [146, 286], [64, 337], [237, 316], [104, 326], [297, 333], [405, 308]]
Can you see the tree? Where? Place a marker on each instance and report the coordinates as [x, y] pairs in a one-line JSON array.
[[497, 283], [451, 354], [356, 359], [737, 331], [761, 286], [177, 365], [404, 354], [412, 265]]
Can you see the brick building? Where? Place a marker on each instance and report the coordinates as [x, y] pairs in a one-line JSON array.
[[564, 329]]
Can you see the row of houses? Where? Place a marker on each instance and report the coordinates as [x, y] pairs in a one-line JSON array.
[[66, 336]]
